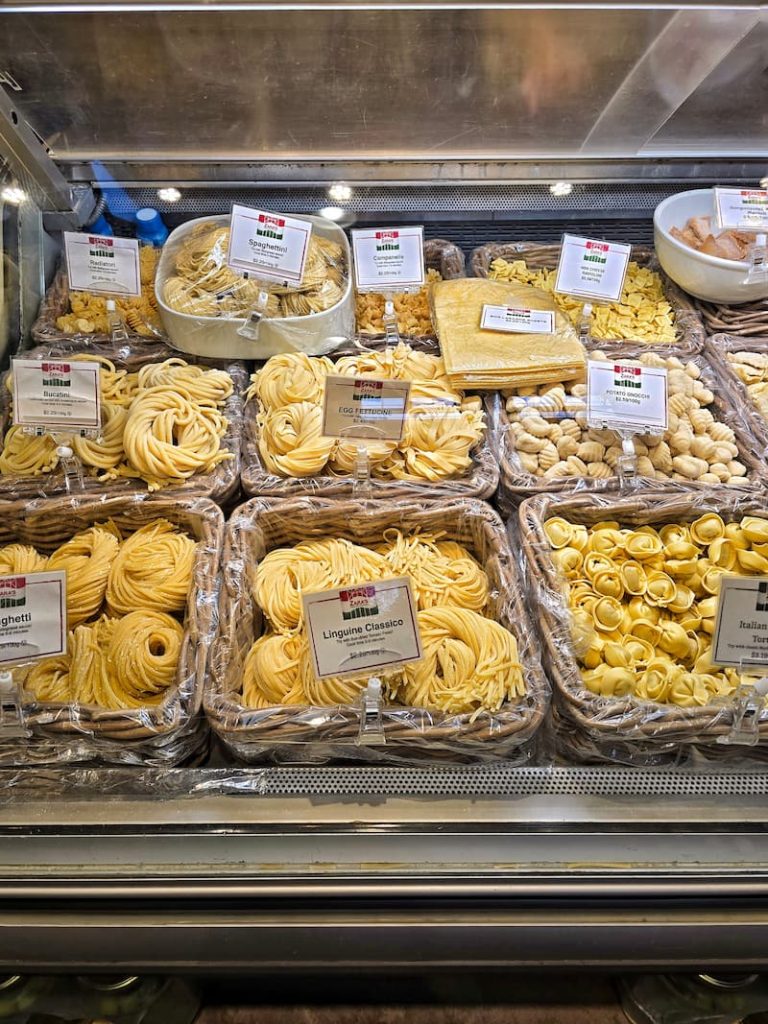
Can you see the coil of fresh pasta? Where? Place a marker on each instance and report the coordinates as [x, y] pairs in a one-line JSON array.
[[203, 285], [162, 424], [125, 602], [442, 428], [643, 602], [88, 312], [470, 661]]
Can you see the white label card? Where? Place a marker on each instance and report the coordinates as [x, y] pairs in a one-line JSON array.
[[741, 628], [54, 394], [517, 321], [33, 616], [101, 264], [268, 246], [365, 407], [743, 209], [622, 396], [363, 629], [388, 259], [591, 269]]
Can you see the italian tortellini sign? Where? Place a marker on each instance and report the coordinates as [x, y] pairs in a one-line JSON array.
[[741, 628], [592, 269], [102, 264], [625, 396], [33, 616], [363, 629]]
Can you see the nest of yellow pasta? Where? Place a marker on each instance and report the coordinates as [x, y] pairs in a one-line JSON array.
[[73, 312], [203, 285], [643, 602], [442, 440], [652, 309], [162, 424], [126, 598], [470, 662]]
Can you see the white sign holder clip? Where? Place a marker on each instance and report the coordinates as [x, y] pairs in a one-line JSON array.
[[117, 330], [391, 329], [371, 731], [748, 703], [585, 323], [362, 484], [758, 261], [252, 323], [12, 718]]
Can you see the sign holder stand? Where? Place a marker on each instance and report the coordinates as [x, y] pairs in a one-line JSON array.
[[252, 323], [12, 719], [117, 330], [748, 702], [362, 484], [371, 732], [585, 324], [758, 261]]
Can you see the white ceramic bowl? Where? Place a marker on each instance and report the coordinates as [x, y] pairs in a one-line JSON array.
[[706, 277], [217, 337]]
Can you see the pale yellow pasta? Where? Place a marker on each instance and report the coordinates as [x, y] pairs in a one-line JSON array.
[[152, 570], [50, 681], [21, 558], [291, 441], [27, 455], [441, 572], [291, 377], [271, 671], [86, 559], [143, 656]]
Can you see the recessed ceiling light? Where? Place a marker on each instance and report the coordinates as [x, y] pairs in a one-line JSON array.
[[764, 182], [169, 195], [561, 188], [332, 212], [13, 194], [340, 193]]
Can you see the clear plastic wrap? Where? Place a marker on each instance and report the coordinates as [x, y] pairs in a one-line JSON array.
[[298, 733], [165, 734], [79, 317], [741, 364], [700, 715], [446, 421], [213, 311], [443, 261], [571, 457], [687, 324], [220, 484]]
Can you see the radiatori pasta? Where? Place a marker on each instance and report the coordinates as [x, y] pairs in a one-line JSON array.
[[470, 662], [161, 425], [442, 426], [125, 597], [643, 602]]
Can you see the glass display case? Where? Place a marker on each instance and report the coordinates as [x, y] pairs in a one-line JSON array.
[[486, 122]]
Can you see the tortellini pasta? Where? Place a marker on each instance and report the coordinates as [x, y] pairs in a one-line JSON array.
[[643, 602]]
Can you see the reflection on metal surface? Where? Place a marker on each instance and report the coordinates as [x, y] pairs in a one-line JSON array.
[[472, 83]]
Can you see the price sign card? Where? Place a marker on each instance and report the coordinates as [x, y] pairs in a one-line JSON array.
[[742, 209], [100, 264], [517, 321], [33, 616], [268, 246], [591, 269], [368, 628], [741, 628], [388, 259], [56, 395], [365, 407], [625, 397]]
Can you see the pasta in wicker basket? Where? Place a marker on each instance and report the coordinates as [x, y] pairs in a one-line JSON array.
[[264, 701]]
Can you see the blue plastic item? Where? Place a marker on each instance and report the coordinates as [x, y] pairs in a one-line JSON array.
[[150, 227], [100, 226]]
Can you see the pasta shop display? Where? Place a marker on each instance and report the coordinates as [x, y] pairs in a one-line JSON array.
[[628, 597], [478, 691], [443, 447], [142, 583], [70, 314], [166, 423], [653, 310], [547, 445], [742, 365], [443, 261]]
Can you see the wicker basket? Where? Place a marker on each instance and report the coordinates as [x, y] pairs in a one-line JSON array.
[[516, 484], [748, 320], [624, 729], [56, 303], [440, 255], [319, 735], [690, 333], [480, 482], [170, 732], [221, 485], [717, 349]]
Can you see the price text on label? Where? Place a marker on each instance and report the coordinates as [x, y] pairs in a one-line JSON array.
[[100, 264], [33, 616], [591, 269], [517, 321], [268, 246], [744, 209], [388, 259], [626, 397], [56, 395], [363, 629], [365, 407], [741, 627]]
